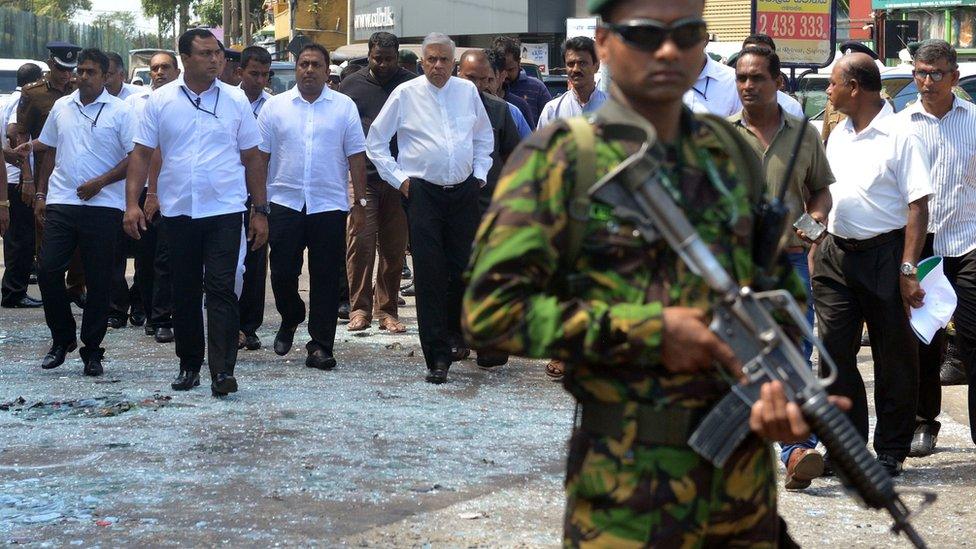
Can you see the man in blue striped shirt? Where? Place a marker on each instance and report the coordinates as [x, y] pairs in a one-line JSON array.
[[947, 127]]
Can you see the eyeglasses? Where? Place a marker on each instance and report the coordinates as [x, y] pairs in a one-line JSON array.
[[936, 76], [648, 34]]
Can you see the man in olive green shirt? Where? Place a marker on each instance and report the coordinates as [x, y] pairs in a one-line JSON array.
[[772, 134]]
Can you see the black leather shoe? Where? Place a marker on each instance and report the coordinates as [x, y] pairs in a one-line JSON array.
[[320, 360], [491, 360], [283, 340], [223, 385], [79, 299], [408, 291], [343, 311], [952, 371], [150, 330], [186, 380], [26, 302], [890, 464], [405, 274], [137, 318], [55, 357], [438, 374], [93, 362], [164, 334], [460, 353], [400, 301], [252, 342], [116, 323], [924, 439]]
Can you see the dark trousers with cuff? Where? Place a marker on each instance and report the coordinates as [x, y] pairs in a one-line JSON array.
[[443, 222], [251, 303], [93, 230], [203, 257], [291, 232], [856, 282], [961, 272], [18, 249]]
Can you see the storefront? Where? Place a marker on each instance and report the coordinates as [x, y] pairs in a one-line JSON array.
[[473, 23], [951, 20]]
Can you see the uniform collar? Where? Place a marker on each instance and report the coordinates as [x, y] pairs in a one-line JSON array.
[[615, 111], [103, 97], [263, 97], [878, 123], [181, 81], [918, 108], [296, 95]]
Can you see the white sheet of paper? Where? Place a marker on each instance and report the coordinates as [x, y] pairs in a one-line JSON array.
[[940, 301]]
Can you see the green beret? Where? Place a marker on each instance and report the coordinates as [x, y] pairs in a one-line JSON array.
[[597, 7]]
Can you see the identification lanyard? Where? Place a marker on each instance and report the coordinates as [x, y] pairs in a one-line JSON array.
[[94, 121], [196, 104]]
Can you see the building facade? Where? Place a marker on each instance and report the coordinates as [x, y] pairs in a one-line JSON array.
[[951, 20], [325, 22], [728, 20]]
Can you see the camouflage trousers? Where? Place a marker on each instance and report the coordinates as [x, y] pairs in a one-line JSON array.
[[638, 495]]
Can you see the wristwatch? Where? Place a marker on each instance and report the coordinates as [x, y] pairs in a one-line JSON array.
[[908, 269], [362, 202], [261, 209]]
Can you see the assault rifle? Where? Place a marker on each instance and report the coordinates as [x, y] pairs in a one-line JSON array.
[[743, 318]]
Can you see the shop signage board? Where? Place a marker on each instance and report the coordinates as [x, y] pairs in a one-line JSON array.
[[804, 30], [538, 54]]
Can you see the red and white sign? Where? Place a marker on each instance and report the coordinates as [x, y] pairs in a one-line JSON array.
[[801, 28]]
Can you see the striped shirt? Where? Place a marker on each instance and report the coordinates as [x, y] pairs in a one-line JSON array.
[[950, 145]]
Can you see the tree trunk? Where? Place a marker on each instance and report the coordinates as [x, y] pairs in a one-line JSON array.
[[225, 17], [245, 24], [184, 9], [235, 23]]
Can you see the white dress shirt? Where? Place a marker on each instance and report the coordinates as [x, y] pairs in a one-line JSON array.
[[714, 91], [201, 138], [258, 103], [443, 134], [879, 172], [8, 115], [90, 140], [568, 105], [950, 144], [128, 90], [790, 105], [309, 144]]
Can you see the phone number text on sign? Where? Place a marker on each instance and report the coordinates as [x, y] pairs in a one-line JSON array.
[[793, 26]]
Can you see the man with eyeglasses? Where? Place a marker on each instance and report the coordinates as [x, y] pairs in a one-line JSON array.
[[80, 198], [945, 124], [208, 139], [625, 316], [865, 266], [36, 102]]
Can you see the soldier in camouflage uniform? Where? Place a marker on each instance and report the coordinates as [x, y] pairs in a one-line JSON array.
[[629, 318]]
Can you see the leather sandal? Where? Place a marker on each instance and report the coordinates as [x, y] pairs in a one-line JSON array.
[[358, 323], [393, 325], [555, 369]]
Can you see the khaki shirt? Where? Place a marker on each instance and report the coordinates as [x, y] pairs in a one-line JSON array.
[[811, 174]]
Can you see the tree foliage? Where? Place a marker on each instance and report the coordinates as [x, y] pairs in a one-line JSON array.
[[58, 9]]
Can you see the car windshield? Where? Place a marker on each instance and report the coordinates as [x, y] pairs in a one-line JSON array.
[[812, 94], [8, 82], [283, 79]]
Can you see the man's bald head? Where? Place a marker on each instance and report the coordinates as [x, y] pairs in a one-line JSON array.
[[474, 66], [860, 68]]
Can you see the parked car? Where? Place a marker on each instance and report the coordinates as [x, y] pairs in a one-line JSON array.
[[8, 74], [900, 85], [282, 76], [557, 84]]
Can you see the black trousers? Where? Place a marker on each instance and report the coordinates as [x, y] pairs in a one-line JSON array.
[[151, 291], [203, 256], [854, 284], [442, 225], [324, 235], [251, 302], [93, 230], [961, 272], [18, 249]]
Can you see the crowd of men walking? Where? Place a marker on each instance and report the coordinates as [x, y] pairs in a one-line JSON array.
[[207, 180]]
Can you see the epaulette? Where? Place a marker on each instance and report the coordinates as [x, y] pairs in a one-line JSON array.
[[34, 85]]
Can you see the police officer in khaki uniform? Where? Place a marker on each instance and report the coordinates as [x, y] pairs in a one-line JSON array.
[[35, 104]]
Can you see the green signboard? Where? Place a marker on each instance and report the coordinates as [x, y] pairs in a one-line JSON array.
[[905, 4]]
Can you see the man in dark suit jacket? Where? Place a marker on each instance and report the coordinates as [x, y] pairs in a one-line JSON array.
[[474, 66]]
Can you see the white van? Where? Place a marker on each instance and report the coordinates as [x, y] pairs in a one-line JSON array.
[[8, 74]]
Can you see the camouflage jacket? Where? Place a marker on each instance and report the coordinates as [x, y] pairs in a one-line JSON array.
[[607, 324]]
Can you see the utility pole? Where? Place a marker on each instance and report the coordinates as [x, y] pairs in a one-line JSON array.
[[245, 24], [235, 24]]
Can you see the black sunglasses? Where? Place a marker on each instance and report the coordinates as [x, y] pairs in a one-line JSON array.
[[648, 34]]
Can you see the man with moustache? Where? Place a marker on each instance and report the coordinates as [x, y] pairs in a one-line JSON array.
[[631, 326], [208, 140], [579, 54], [153, 276], [313, 138], [445, 144], [383, 227], [87, 137]]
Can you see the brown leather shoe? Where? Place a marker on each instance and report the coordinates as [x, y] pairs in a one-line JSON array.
[[805, 464]]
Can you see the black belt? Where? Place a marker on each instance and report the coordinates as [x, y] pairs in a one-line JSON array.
[[851, 245], [447, 188], [667, 426]]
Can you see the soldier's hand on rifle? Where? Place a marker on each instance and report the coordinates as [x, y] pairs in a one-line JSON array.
[[688, 345], [775, 418]]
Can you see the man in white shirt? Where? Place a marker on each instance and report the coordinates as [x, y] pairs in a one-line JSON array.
[[252, 272], [714, 91], [152, 270], [579, 54], [947, 127], [314, 140], [445, 143], [115, 79], [208, 139], [19, 238], [80, 198], [864, 268]]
